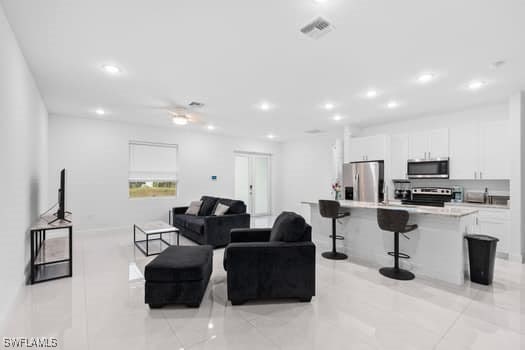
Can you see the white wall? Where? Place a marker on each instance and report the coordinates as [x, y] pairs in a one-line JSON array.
[[517, 177], [95, 154], [23, 159], [307, 171], [439, 120]]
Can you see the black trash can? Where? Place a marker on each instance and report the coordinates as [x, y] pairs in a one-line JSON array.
[[481, 253]]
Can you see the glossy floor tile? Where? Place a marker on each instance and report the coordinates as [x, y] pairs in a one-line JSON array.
[[102, 307]]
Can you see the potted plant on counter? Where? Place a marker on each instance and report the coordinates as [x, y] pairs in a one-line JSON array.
[[336, 187]]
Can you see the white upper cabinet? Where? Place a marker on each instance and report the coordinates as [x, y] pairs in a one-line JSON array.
[[438, 143], [398, 156], [418, 145], [367, 148], [429, 144], [480, 151], [495, 151], [464, 152]]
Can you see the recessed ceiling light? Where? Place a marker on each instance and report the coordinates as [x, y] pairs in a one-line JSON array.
[[392, 104], [426, 78], [329, 106], [476, 84], [371, 93], [337, 117], [111, 69], [270, 136], [265, 106], [179, 120], [211, 127], [100, 111]]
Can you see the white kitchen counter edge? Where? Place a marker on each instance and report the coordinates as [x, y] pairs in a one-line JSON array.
[[454, 211]]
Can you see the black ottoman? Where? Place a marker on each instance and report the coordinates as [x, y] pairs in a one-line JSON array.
[[179, 275]]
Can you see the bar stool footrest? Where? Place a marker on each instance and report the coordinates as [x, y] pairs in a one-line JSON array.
[[338, 237], [399, 255]]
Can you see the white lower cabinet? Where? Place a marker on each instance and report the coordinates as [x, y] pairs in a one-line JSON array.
[[496, 223], [493, 222]]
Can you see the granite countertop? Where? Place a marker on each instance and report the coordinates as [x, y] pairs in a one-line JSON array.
[[453, 211]]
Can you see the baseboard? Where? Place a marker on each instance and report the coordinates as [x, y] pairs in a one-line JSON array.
[[516, 258], [103, 229]]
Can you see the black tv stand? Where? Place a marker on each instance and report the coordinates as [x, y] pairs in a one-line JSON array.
[[59, 219], [51, 257]]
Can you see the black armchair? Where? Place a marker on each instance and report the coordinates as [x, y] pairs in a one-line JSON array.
[[259, 266]]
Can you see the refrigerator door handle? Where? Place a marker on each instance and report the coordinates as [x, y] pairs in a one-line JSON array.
[[356, 195]]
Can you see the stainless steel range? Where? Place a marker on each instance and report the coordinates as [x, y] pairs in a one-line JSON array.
[[429, 196]]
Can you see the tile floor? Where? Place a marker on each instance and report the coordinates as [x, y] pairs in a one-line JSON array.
[[102, 307]]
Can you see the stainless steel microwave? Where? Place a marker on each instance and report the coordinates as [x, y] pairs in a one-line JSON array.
[[428, 168]]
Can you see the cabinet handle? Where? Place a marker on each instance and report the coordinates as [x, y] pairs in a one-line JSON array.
[[480, 175], [475, 175], [428, 155]]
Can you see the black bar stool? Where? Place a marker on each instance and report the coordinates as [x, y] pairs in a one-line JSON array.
[[395, 221], [332, 210]]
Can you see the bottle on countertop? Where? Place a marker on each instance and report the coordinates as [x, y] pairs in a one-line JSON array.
[[486, 195]]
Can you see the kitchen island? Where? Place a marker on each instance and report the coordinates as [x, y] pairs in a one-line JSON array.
[[437, 247]]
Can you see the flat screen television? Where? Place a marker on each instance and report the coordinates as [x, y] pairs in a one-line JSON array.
[[61, 212]]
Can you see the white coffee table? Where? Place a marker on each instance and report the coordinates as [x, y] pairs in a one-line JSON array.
[[153, 228]]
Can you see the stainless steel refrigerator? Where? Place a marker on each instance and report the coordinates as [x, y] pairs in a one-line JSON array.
[[364, 181]]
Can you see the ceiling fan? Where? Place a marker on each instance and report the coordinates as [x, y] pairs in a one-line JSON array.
[[183, 114]]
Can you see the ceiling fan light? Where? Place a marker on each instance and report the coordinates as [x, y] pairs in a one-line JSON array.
[[179, 120]]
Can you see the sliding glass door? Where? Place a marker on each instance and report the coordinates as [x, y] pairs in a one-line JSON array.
[[253, 181]]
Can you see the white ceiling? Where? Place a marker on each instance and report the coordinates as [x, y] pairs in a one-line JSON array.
[[233, 54]]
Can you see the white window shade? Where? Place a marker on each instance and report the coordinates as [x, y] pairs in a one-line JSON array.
[[152, 162]]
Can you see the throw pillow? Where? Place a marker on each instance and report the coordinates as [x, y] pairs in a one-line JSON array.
[[220, 209], [288, 227], [208, 203], [194, 208]]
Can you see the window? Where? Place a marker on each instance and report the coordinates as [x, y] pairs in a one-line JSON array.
[[152, 169]]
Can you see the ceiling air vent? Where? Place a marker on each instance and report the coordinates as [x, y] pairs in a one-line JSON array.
[[314, 131], [317, 28], [195, 104]]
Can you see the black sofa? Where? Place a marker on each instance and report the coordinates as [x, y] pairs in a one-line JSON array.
[[208, 229], [271, 263]]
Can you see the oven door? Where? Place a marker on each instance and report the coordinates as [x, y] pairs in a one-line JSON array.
[[428, 169]]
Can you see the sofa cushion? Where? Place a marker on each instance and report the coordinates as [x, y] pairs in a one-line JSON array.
[[179, 264], [288, 227], [179, 220], [208, 205], [236, 206], [194, 208], [194, 223]]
